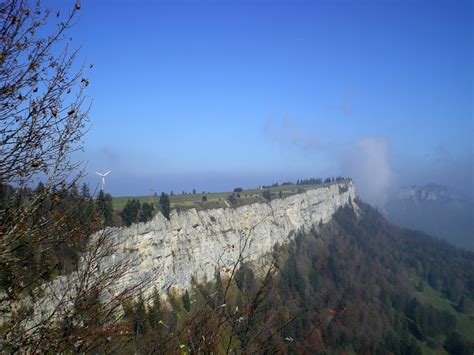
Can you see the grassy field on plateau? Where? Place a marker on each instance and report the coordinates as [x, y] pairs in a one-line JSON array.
[[215, 199]]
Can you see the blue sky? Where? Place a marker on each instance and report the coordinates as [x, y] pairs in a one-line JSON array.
[[215, 94]]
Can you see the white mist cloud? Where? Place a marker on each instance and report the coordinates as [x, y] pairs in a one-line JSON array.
[[366, 160], [368, 164]]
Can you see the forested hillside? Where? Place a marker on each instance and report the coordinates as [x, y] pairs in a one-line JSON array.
[[376, 288]]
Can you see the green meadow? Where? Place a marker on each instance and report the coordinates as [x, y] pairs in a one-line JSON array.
[[215, 199], [464, 322]]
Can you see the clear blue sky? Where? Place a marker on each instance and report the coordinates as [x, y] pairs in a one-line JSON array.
[[215, 94]]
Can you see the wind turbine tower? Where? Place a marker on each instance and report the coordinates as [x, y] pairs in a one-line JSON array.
[[103, 179]]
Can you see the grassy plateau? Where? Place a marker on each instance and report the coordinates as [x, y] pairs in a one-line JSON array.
[[216, 199]]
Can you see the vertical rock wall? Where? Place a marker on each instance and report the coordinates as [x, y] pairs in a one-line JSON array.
[[196, 243]]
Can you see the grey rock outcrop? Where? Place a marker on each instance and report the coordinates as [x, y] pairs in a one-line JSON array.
[[435, 210], [194, 244], [430, 192]]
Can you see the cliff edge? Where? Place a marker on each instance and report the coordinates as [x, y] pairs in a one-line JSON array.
[[194, 244]]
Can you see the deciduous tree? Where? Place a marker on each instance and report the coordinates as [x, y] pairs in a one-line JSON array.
[[43, 118]]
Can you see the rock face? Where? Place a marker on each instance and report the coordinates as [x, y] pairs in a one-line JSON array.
[[430, 192], [194, 244], [435, 210]]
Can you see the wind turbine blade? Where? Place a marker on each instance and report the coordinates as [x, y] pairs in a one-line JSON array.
[[98, 173], [107, 173]]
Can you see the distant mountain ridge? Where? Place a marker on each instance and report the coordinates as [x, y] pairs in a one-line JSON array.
[[431, 192], [436, 210]]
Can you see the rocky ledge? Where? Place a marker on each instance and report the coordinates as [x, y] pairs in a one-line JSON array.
[[194, 244]]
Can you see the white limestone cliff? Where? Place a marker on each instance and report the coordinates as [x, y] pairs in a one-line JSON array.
[[194, 244]]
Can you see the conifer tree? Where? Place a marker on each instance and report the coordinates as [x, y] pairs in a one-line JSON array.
[[165, 207], [105, 208]]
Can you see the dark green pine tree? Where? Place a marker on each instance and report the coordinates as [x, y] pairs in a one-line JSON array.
[[456, 344], [85, 192], [267, 195], [74, 191], [165, 207], [105, 208], [154, 312], [465, 305], [141, 326], [186, 301], [146, 212], [130, 212]]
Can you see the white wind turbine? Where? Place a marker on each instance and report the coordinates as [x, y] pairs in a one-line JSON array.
[[103, 179]]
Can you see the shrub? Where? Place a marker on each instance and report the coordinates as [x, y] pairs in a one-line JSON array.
[[267, 195]]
